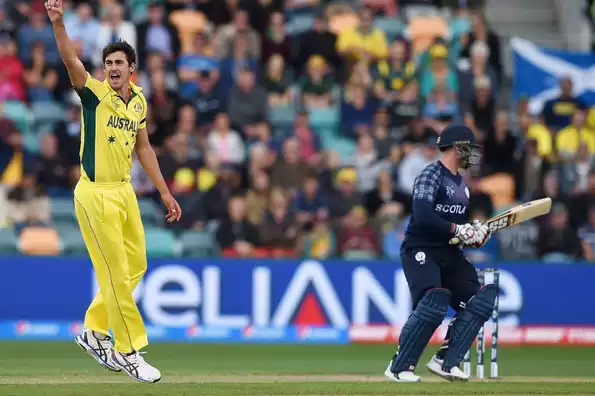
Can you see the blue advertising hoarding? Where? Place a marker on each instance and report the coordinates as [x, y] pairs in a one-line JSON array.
[[280, 293]]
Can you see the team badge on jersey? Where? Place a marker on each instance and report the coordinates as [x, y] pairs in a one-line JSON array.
[[450, 191], [420, 257], [138, 108]]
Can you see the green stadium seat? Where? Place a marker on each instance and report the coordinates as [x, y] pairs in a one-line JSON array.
[[299, 25], [199, 244], [8, 241], [18, 113], [160, 242], [324, 118], [391, 26], [281, 116], [72, 241], [47, 113], [344, 147], [63, 211], [151, 214]]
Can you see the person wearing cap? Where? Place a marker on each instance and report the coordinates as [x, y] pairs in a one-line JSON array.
[[316, 84], [438, 273]]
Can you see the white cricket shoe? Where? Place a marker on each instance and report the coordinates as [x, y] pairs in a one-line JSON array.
[[455, 373], [98, 349], [135, 366], [403, 376]]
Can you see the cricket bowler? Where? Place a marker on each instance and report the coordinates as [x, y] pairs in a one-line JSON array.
[[113, 125], [438, 274]]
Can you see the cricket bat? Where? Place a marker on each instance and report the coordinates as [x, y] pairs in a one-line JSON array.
[[518, 214]]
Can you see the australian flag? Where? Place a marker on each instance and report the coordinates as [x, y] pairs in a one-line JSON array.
[[538, 70]]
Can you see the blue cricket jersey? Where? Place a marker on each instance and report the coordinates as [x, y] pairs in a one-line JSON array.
[[440, 201]]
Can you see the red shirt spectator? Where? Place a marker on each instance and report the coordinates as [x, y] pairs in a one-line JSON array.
[[11, 73]]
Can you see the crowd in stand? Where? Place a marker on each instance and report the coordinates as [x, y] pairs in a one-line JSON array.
[[295, 128]]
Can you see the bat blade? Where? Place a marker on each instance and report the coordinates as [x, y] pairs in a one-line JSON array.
[[518, 214]]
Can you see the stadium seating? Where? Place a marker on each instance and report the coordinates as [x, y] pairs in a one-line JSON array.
[[63, 211], [18, 113], [150, 212], [198, 244], [72, 241], [188, 23], [160, 242], [8, 241], [39, 241]]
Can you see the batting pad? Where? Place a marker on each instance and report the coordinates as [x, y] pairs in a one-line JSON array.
[[419, 328], [467, 324]]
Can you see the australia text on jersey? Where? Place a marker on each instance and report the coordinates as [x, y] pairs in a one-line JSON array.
[[122, 123]]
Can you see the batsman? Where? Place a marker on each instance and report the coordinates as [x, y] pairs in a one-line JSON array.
[[438, 273]]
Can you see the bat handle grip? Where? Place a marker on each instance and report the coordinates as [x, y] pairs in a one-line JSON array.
[[454, 241]]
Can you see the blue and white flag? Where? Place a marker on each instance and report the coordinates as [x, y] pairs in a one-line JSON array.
[[538, 71]]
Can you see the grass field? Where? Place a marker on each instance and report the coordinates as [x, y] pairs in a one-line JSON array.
[[32, 369]]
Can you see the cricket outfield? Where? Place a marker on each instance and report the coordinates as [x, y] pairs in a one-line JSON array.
[[58, 368]]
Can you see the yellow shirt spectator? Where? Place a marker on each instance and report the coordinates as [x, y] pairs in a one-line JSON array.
[[545, 142], [570, 138], [352, 41]]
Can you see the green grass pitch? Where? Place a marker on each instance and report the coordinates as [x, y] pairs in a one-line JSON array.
[[61, 369]]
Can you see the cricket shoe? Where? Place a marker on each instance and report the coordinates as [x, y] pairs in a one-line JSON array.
[[455, 373], [99, 349], [135, 366], [403, 376]]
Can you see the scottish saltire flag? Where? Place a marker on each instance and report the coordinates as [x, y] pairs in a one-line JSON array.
[[537, 71]]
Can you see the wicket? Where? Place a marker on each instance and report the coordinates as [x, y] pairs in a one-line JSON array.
[[481, 342]]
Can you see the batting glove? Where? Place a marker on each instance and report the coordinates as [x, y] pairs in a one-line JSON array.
[[466, 234], [482, 233]]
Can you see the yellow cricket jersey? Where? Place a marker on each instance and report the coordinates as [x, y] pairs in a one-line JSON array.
[[109, 130], [374, 42], [569, 139]]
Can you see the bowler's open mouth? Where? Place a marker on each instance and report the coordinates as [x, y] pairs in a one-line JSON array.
[[115, 77]]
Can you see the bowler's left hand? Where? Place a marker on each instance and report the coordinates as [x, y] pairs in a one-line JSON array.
[[174, 212]]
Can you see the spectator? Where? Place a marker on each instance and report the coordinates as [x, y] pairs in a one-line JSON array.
[[381, 199], [499, 148], [236, 235], [414, 162], [357, 110], [558, 242], [239, 59], [187, 125], [569, 139], [52, 170], [520, 242], [587, 235], [257, 198], [530, 172], [40, 77], [580, 203], [176, 165], [416, 135], [550, 187], [84, 27], [478, 67], [384, 136], [558, 112], [164, 104], [360, 76], [277, 82], [439, 72], [308, 140], [226, 35], [276, 41], [441, 108], [345, 197], [208, 100], [225, 142], [28, 205], [481, 113], [216, 199], [318, 41], [68, 133], [481, 32], [479, 201], [158, 35], [316, 85], [247, 102], [37, 29], [289, 171], [575, 171], [112, 29], [209, 172], [141, 182], [11, 73], [394, 73], [406, 108], [320, 242], [357, 240], [366, 163], [191, 66], [261, 158], [260, 11], [363, 42], [7, 26], [310, 201], [278, 230], [537, 131], [15, 161]]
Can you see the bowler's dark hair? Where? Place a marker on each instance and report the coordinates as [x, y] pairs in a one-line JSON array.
[[122, 46]]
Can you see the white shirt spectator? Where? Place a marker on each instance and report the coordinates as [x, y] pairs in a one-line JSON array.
[[112, 30], [84, 27], [228, 145], [410, 167]]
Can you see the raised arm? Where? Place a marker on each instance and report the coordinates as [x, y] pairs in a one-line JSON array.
[[76, 70]]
